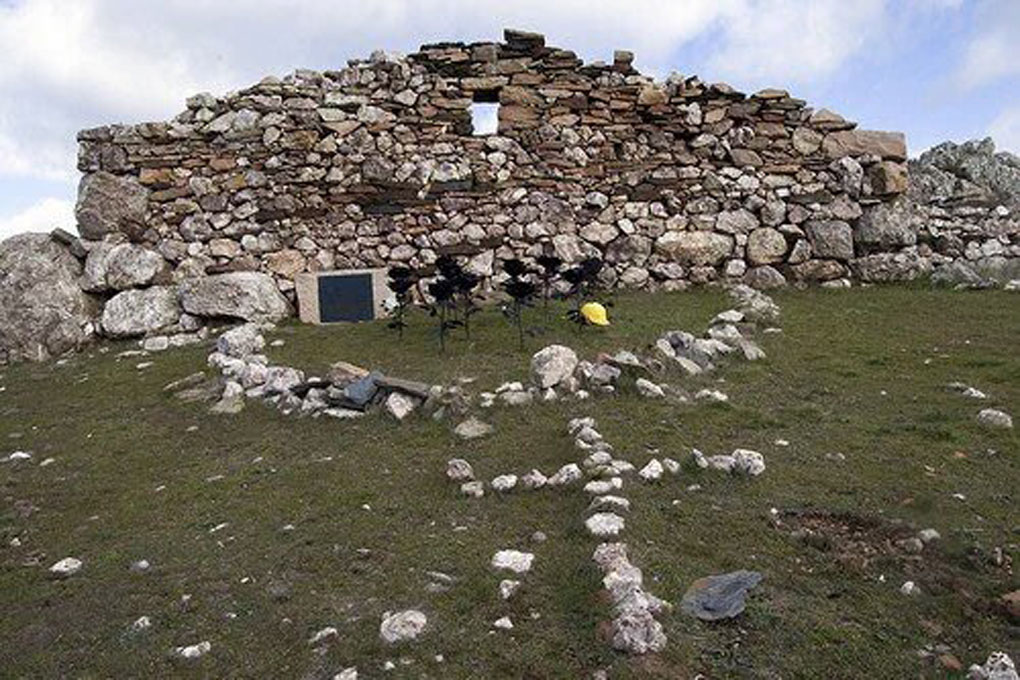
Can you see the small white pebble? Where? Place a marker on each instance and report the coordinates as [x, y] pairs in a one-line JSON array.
[[503, 623], [327, 632], [194, 651]]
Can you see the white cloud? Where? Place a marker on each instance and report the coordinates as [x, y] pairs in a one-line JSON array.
[[1005, 130], [791, 40], [44, 216], [992, 53]]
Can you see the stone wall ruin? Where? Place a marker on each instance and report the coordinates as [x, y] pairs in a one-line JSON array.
[[214, 213], [376, 164]]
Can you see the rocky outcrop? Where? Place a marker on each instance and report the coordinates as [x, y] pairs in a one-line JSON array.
[[43, 310], [960, 218]]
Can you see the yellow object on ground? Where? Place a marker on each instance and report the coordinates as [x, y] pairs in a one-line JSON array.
[[595, 314]]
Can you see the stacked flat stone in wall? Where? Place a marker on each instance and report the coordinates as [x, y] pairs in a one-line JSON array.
[[375, 164]]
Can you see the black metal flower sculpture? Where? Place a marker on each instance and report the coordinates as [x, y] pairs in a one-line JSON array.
[[521, 292], [401, 281], [583, 279], [549, 268], [443, 292]]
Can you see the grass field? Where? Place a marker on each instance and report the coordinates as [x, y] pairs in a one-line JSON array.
[[861, 372]]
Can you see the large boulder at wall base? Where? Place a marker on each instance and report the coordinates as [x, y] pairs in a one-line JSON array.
[[698, 248], [137, 312], [108, 204], [122, 266], [43, 311], [886, 226], [251, 296]]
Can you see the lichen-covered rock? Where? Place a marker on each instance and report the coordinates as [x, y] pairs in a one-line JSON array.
[[132, 266], [109, 204], [831, 239], [886, 226], [766, 246], [696, 248], [552, 365], [402, 626], [140, 311], [459, 470], [513, 560], [250, 296], [43, 311], [241, 342]]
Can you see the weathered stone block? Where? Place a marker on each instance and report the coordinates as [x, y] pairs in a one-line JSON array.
[[887, 145]]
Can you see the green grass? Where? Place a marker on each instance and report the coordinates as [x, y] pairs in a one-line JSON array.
[[859, 372]]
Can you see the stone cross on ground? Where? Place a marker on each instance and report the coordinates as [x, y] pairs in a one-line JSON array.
[[634, 627]]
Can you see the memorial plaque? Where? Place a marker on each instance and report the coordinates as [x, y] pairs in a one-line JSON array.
[[338, 296]]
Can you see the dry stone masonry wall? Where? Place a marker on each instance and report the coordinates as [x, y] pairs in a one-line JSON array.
[[213, 214], [671, 182]]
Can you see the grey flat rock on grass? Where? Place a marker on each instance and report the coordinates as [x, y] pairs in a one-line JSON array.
[[69, 566], [604, 524], [646, 388], [513, 560], [652, 471], [459, 470], [991, 417], [552, 365], [194, 651], [533, 480], [504, 483], [400, 405], [473, 428], [473, 489], [721, 596], [402, 626], [568, 474], [748, 462]]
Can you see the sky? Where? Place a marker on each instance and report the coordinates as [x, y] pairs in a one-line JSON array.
[[936, 69]]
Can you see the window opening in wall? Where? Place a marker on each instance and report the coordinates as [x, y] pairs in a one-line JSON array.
[[485, 113]]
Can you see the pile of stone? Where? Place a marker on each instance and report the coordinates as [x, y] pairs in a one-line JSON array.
[[348, 391], [58, 292], [741, 461], [634, 627], [558, 373]]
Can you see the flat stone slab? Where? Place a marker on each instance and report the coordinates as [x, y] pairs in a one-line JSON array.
[[720, 596]]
